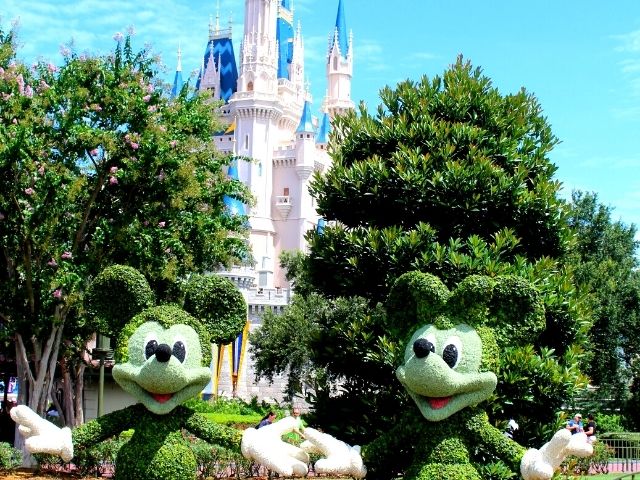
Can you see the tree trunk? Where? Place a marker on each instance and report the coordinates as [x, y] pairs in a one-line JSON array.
[[79, 390], [35, 375]]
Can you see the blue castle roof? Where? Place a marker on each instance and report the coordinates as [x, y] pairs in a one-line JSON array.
[[177, 84], [324, 130], [284, 34], [222, 49], [341, 28], [306, 121], [232, 205]]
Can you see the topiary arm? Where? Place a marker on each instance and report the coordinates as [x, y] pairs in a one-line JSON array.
[[400, 440], [212, 432], [90, 433], [483, 432]]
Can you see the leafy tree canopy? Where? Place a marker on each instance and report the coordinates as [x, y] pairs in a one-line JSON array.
[[98, 165]]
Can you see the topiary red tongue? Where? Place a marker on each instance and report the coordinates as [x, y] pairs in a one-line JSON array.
[[162, 397], [438, 402]]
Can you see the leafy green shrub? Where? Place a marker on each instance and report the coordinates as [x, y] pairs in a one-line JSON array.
[[10, 458], [609, 423], [88, 461], [495, 471], [598, 462]]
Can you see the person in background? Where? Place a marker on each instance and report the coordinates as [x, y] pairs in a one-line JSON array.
[[268, 419], [590, 429], [575, 425]]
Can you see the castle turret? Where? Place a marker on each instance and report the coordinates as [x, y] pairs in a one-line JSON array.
[[339, 67]]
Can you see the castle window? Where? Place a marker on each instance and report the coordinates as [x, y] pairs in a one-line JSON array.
[[250, 86], [335, 63], [246, 142]]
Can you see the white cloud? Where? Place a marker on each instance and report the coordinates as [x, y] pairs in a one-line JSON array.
[[629, 42]]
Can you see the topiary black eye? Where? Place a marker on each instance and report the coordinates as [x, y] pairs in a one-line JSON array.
[[450, 355], [179, 351], [150, 349], [423, 347]]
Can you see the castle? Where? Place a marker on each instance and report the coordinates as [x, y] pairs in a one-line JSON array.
[[268, 111]]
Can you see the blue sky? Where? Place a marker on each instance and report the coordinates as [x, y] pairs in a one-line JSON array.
[[581, 58]]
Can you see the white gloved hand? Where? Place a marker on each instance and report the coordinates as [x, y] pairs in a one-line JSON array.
[[266, 447], [42, 436], [541, 464], [339, 457]]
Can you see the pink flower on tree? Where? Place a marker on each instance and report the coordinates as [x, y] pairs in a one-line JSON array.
[[113, 180], [152, 108], [113, 170], [2, 217], [134, 145], [173, 143], [52, 263], [161, 224], [118, 36], [28, 91], [29, 191], [66, 256], [57, 293], [146, 98], [52, 68], [41, 170], [94, 152]]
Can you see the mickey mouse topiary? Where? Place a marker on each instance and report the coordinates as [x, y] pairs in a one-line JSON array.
[[162, 358], [449, 367]]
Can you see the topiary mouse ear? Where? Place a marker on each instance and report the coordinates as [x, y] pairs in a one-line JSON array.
[[218, 304], [469, 301], [516, 311], [115, 296], [416, 298]]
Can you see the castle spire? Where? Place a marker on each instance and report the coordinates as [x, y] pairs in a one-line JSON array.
[[177, 79], [341, 37]]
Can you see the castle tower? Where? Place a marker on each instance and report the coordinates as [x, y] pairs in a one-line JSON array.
[[257, 112], [339, 67]]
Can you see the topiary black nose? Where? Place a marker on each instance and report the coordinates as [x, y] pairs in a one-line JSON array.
[[421, 347], [163, 353]]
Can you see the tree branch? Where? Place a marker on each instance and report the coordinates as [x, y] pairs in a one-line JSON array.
[[87, 210]]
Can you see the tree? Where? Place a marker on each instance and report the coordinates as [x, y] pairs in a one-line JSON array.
[[452, 178], [99, 166], [606, 267]]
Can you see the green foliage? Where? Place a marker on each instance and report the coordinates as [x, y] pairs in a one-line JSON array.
[[448, 176], [609, 424], [606, 264], [10, 458], [281, 344], [99, 166], [219, 304]]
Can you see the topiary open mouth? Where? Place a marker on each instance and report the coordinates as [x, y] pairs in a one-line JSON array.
[[438, 402], [161, 397]]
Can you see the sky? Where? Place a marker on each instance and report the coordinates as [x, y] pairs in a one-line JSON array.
[[580, 58]]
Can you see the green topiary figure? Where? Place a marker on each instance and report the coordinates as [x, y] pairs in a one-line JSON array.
[[162, 358], [449, 368]]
